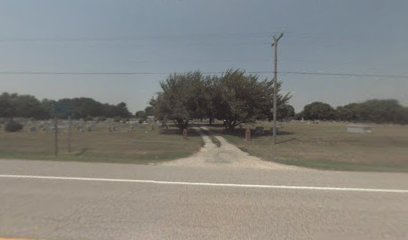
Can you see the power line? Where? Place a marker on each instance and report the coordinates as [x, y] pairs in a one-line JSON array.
[[348, 74], [119, 38], [79, 73], [137, 38], [329, 74]]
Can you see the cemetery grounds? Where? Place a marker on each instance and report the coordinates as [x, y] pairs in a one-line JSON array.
[[98, 141], [323, 145], [327, 145]]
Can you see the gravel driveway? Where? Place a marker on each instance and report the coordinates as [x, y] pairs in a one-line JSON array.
[[227, 155]]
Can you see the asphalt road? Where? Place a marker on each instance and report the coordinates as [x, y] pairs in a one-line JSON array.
[[87, 201]]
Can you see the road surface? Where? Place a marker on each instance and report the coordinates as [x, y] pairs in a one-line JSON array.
[[71, 200]]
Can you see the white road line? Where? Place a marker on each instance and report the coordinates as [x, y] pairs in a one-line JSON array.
[[204, 184]]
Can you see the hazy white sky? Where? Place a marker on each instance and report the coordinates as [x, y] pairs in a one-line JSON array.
[[161, 36]]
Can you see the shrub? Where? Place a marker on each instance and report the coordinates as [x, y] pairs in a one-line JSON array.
[[13, 126], [88, 118]]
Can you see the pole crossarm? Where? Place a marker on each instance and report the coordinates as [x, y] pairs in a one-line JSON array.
[[276, 39]]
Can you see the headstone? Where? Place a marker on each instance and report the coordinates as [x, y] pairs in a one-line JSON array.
[[359, 129]]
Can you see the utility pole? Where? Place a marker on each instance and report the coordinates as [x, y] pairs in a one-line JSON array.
[[69, 133], [275, 86]]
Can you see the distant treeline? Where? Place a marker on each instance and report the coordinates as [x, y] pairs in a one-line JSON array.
[[374, 111], [27, 106]]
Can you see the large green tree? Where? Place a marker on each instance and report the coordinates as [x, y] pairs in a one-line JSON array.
[[181, 99], [27, 106], [14, 105], [244, 98], [375, 110], [235, 97], [239, 98], [286, 112], [319, 111]]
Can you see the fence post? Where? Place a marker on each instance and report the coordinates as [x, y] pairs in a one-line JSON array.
[[248, 134], [185, 133]]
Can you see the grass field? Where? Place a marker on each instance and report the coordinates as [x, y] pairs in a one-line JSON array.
[[143, 145], [329, 146], [323, 146]]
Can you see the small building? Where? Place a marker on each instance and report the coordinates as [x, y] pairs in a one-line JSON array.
[[357, 128]]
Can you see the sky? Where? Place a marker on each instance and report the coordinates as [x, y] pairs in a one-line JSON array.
[[165, 36]]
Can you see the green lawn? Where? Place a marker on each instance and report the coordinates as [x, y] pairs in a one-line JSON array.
[[143, 145], [329, 146]]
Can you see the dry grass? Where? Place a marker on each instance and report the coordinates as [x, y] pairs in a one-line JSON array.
[[143, 145], [329, 146]]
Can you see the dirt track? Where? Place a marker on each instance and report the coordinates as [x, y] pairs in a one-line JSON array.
[[227, 155]]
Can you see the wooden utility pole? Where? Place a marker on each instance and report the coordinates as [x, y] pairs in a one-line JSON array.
[[275, 86], [69, 134], [55, 136]]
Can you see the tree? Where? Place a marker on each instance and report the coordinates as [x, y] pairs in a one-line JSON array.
[[48, 106], [284, 109], [375, 110], [27, 106], [149, 111], [242, 98], [286, 112], [6, 108], [235, 97], [13, 126], [319, 111], [140, 114], [88, 108], [14, 105], [122, 110], [349, 112], [180, 99], [238, 98]]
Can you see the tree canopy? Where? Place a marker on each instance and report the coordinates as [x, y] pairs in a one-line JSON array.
[[319, 111], [235, 97], [14, 105], [181, 98], [374, 110]]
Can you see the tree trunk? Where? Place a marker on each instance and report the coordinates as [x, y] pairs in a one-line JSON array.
[[181, 124], [186, 124], [230, 124]]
